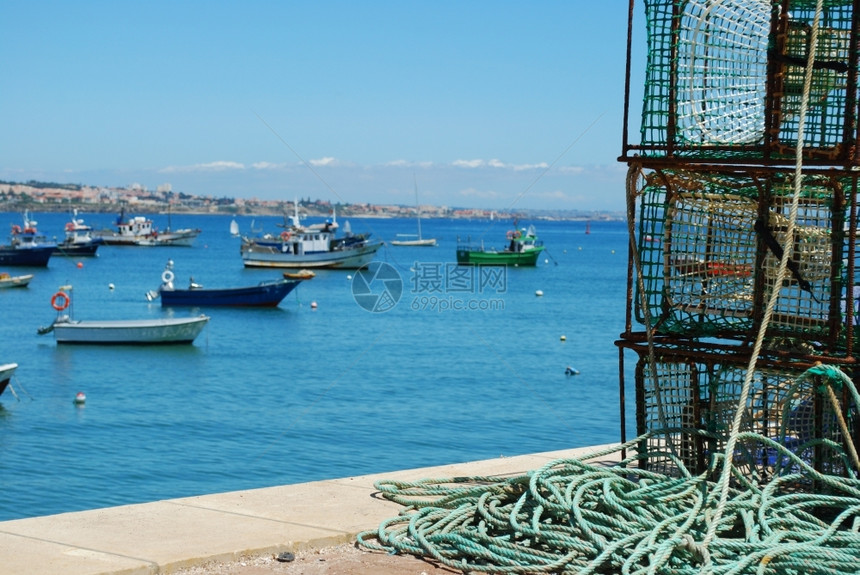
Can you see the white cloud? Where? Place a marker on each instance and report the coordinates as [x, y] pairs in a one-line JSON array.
[[468, 163], [267, 166], [525, 167], [499, 164], [327, 161], [210, 167]]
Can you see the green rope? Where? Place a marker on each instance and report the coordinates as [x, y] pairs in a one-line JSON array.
[[585, 517]]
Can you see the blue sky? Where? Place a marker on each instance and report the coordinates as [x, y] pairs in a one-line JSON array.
[[499, 105]]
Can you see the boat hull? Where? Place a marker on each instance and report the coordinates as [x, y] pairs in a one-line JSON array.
[[7, 370], [15, 281], [414, 243], [267, 294], [87, 249], [478, 257], [183, 239], [126, 332], [257, 256], [36, 257]]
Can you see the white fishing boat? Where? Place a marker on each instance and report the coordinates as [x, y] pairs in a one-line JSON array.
[[10, 281], [139, 231], [314, 246], [413, 240], [79, 240], [7, 370], [165, 330], [133, 331]]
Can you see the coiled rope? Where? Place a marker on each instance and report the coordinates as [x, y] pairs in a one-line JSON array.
[[581, 516]]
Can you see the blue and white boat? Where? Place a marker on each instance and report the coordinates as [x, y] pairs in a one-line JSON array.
[[314, 246], [26, 248], [79, 240], [264, 294]]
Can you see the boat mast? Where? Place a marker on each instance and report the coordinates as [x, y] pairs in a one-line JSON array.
[[417, 205]]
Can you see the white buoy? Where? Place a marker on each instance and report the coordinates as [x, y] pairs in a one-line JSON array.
[[313, 305], [546, 261], [563, 338], [349, 277], [80, 398], [538, 293], [110, 286]]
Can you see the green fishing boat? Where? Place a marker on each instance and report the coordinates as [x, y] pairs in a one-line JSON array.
[[522, 249]]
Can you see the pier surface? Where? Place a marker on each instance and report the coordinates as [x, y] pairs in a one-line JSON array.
[[180, 534]]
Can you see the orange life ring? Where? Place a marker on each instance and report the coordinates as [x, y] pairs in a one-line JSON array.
[[60, 306], [510, 235], [285, 236]]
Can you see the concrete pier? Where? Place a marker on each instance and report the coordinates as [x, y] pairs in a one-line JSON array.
[[168, 535]]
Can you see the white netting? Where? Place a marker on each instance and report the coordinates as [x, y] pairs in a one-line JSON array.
[[722, 71]]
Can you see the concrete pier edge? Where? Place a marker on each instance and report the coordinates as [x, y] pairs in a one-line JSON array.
[[166, 536]]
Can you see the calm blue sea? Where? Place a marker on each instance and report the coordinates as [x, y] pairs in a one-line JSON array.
[[302, 393]]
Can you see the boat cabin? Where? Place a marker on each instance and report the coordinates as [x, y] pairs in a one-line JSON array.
[[302, 242]]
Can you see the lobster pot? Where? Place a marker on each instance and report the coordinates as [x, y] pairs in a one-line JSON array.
[[724, 80], [669, 406], [709, 248], [803, 305], [691, 403]]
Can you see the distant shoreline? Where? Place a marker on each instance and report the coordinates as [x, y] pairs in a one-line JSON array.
[[51, 197], [91, 209], [343, 211]]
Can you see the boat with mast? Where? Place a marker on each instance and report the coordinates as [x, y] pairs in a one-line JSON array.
[[26, 248], [138, 231], [309, 246], [522, 249], [79, 240], [415, 240]]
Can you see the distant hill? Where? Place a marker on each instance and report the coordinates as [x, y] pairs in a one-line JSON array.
[[56, 197]]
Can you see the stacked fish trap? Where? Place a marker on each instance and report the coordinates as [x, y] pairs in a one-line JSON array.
[[711, 192]]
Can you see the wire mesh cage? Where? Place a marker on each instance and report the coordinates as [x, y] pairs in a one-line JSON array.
[[724, 79], [690, 400], [709, 248]]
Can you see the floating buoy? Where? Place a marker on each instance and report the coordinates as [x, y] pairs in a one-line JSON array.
[[313, 305], [60, 301], [80, 265], [571, 371], [110, 286], [80, 398], [546, 261], [563, 338], [349, 277], [538, 293]]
